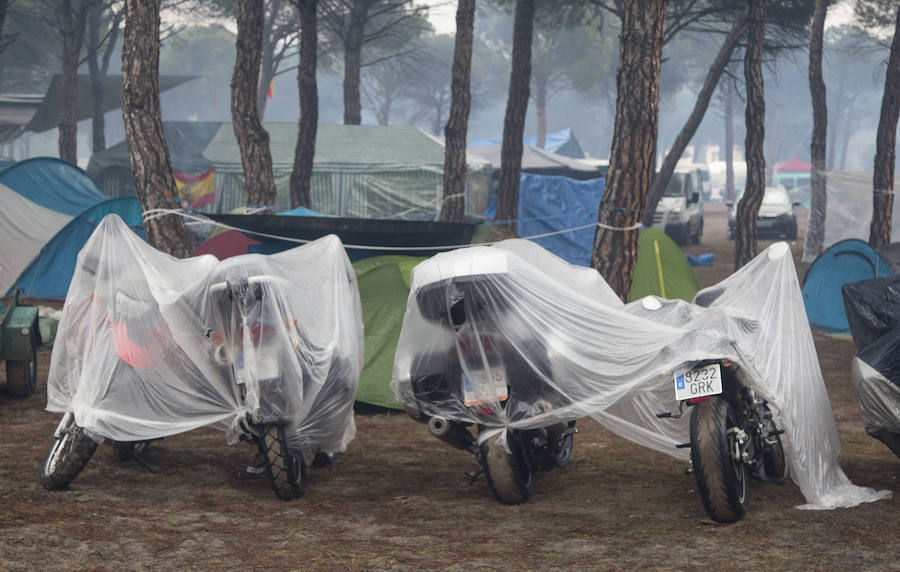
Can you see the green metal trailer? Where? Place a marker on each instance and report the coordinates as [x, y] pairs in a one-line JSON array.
[[20, 338]]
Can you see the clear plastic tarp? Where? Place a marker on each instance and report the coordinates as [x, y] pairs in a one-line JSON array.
[[849, 203], [150, 346], [570, 348]]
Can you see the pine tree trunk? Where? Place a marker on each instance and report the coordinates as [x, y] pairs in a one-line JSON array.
[[540, 107], [305, 150], [252, 138], [454, 196], [150, 166], [353, 42], [631, 159], [729, 141], [514, 122], [97, 121], [748, 209], [815, 229], [71, 28], [690, 127], [883, 180], [267, 64]]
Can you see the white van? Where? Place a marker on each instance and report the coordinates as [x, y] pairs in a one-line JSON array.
[[680, 210]]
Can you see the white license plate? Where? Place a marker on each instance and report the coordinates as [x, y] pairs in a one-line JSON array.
[[485, 386], [698, 382], [265, 365]]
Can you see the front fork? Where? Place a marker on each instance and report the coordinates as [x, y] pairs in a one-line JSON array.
[[64, 424]]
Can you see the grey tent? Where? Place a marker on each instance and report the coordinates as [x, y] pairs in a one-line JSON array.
[[539, 162], [111, 168], [359, 171]]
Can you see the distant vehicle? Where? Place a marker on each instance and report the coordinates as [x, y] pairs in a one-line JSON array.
[[680, 210], [776, 215]]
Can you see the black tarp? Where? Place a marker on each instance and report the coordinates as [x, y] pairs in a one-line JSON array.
[[873, 309]]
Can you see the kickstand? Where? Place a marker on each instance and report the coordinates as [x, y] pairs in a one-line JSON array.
[[140, 461], [473, 478]]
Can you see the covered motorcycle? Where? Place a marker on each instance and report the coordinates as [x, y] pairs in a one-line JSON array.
[[262, 347], [873, 312], [570, 348]]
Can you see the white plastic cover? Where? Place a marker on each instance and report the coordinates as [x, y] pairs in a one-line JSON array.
[[879, 399], [570, 348], [150, 346], [849, 203]]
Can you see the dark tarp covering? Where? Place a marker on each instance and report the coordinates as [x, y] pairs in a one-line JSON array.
[[47, 115], [16, 111], [873, 309]]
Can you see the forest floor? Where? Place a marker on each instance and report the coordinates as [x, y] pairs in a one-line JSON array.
[[399, 499]]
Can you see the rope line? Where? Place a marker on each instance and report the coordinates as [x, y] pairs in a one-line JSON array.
[[152, 214]]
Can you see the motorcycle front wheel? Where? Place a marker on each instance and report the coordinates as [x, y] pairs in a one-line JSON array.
[[774, 466], [68, 455], [287, 473], [721, 479], [506, 473]]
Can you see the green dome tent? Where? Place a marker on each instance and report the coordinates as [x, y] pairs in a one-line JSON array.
[[661, 269], [383, 290]]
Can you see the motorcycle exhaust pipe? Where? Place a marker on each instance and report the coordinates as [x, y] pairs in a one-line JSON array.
[[452, 433]]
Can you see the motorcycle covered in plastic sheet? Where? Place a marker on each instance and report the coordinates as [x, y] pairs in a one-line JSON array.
[[150, 346], [873, 312], [585, 353]]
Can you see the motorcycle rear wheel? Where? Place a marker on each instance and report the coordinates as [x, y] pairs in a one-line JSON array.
[[722, 481], [507, 476], [287, 473], [67, 457]]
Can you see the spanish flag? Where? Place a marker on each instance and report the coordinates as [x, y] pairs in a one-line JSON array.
[[271, 88], [195, 191]]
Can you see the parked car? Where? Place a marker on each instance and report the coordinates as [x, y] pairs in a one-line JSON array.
[[776, 218], [680, 210]]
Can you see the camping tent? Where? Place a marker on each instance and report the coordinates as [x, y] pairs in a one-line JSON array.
[[661, 269], [186, 140], [38, 197], [383, 291], [561, 142], [360, 171], [550, 204], [47, 115], [539, 162], [844, 262], [849, 204], [49, 274]]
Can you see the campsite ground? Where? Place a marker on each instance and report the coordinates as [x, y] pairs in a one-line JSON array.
[[400, 499]]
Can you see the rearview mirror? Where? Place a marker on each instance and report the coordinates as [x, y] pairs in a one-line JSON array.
[[796, 203], [729, 204], [695, 197]]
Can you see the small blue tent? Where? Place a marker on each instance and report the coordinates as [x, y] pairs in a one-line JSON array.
[[52, 183], [38, 197], [844, 262], [49, 274], [548, 204]]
